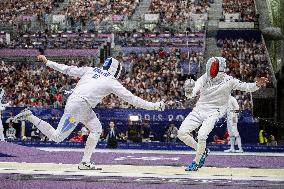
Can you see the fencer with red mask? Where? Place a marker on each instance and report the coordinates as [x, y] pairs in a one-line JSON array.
[[213, 89]]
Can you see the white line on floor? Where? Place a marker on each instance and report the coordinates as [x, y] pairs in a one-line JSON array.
[[131, 151]]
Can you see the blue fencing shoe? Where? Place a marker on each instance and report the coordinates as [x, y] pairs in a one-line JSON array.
[[192, 167], [203, 157]]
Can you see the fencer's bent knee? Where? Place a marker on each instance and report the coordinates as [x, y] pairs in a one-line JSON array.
[[201, 141], [94, 126], [202, 136]]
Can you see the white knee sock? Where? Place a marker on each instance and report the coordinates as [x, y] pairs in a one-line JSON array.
[[91, 144], [200, 150], [43, 126], [232, 140], [239, 142], [1, 134]]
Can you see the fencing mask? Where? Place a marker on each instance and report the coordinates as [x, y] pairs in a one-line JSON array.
[[113, 67]]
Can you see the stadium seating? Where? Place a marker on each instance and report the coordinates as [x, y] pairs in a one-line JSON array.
[[13, 11], [58, 40], [239, 11], [83, 12], [178, 11]]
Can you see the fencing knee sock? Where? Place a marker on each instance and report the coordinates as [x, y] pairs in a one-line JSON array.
[[43, 126], [1, 134], [232, 140], [239, 142], [200, 150], [188, 140], [91, 144]]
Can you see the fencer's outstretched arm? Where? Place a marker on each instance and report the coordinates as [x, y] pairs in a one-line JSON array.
[[65, 69], [248, 87], [198, 85], [119, 90]]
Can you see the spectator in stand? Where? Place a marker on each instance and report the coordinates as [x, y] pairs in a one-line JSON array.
[[11, 132], [272, 141], [145, 131], [122, 137], [262, 136], [35, 133], [112, 135], [57, 100], [226, 137], [102, 137], [133, 133], [78, 138], [216, 140], [171, 133]]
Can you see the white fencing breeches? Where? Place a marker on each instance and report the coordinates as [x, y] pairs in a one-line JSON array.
[[76, 110], [232, 124], [207, 120], [1, 130]]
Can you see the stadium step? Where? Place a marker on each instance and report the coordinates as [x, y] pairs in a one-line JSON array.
[[141, 10]]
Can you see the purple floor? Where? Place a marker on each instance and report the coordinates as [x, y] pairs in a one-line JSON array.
[[32, 155], [18, 153], [31, 184]]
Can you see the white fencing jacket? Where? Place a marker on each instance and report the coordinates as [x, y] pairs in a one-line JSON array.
[[96, 83]]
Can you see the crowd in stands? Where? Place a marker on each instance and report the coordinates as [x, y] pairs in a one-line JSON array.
[[86, 12], [178, 11], [155, 76], [244, 100], [245, 10], [77, 11], [11, 10], [246, 60], [152, 76], [144, 39], [51, 40], [31, 84]]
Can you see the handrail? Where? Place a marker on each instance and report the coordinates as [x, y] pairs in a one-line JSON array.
[[270, 64]]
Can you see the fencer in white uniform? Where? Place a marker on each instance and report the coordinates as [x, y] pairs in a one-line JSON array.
[[232, 125], [214, 90], [2, 108], [94, 84]]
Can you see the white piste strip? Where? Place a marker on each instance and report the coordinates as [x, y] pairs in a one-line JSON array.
[[140, 175], [131, 151]]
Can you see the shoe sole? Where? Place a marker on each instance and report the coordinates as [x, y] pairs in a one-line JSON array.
[[96, 169], [191, 170]]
